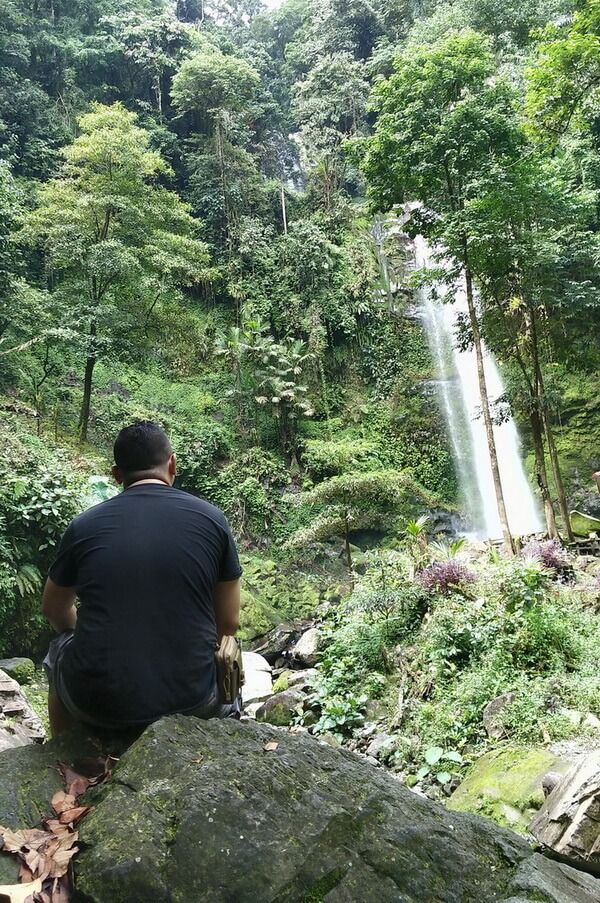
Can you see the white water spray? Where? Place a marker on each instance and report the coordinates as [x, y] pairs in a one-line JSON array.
[[458, 389]]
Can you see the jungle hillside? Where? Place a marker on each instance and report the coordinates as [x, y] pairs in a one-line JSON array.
[[210, 217]]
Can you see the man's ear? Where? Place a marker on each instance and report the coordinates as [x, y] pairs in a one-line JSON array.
[[117, 474], [173, 467]]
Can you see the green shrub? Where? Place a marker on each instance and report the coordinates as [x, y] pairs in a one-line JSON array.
[[270, 595], [39, 495]]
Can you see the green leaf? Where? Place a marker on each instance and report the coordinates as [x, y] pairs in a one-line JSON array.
[[453, 756], [443, 777], [433, 755]]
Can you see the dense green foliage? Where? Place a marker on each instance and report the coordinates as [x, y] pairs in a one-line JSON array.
[[199, 210], [437, 652]]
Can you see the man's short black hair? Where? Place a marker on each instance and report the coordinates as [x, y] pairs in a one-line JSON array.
[[142, 447]]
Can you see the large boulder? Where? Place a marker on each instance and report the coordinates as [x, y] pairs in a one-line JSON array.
[[281, 708], [29, 778], [506, 784], [20, 669], [258, 683], [19, 725], [276, 644], [221, 811], [569, 821], [306, 650]]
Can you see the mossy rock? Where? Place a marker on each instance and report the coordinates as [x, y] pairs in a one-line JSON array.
[[217, 811], [282, 683], [257, 616], [20, 669], [506, 785], [280, 709]]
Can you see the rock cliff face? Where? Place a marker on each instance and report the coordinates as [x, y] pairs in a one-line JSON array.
[[213, 811]]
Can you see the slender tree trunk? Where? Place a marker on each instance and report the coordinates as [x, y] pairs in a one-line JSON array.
[[543, 407], [221, 157], [84, 416], [535, 418], [347, 543], [558, 480], [541, 474], [485, 407], [284, 210]]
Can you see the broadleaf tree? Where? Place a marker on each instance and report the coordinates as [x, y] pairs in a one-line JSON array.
[[112, 237]]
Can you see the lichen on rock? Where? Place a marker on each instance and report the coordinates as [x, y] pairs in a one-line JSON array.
[[221, 811], [506, 785]]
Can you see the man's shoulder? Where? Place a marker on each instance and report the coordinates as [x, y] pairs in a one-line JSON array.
[[202, 506], [94, 512]]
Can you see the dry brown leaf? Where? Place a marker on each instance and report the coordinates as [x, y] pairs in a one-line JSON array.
[[64, 854], [25, 876], [198, 761], [75, 783], [72, 815], [18, 893], [271, 746], [31, 838], [54, 825], [62, 801]]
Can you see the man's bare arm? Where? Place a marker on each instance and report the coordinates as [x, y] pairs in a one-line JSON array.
[[58, 605], [227, 608]]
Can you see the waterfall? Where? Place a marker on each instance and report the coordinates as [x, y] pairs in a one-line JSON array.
[[458, 390]]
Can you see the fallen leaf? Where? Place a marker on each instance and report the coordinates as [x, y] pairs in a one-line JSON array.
[[14, 841], [25, 876], [271, 746], [198, 761], [62, 801], [18, 893], [55, 826], [75, 783], [69, 816]]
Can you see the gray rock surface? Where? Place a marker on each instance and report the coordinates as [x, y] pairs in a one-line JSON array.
[[491, 715], [380, 746], [300, 680], [19, 725], [569, 821], [306, 650], [258, 684], [277, 642], [29, 778], [280, 709], [201, 812]]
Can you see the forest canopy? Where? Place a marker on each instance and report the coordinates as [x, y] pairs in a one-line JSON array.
[[199, 209]]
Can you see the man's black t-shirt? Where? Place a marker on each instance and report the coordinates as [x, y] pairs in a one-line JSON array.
[[144, 565]]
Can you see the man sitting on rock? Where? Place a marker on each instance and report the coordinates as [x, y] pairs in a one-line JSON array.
[[157, 576]]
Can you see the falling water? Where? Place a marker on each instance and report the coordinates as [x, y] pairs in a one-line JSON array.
[[458, 389]]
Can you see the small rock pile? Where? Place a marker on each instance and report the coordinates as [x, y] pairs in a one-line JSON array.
[[19, 725], [288, 654]]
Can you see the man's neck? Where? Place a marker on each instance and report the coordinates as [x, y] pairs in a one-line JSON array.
[[151, 480]]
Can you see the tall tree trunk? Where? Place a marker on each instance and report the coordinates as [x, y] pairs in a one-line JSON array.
[[535, 417], [284, 210], [223, 176], [485, 407], [541, 474], [84, 416], [558, 480], [347, 543], [543, 407]]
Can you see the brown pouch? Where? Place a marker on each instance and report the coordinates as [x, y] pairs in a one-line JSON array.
[[230, 670]]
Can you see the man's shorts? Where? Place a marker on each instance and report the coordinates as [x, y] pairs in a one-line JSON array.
[[53, 668]]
